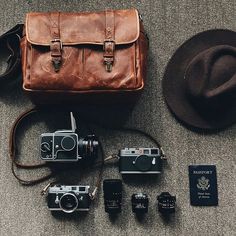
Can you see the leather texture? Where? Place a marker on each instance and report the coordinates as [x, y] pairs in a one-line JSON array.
[[83, 55]]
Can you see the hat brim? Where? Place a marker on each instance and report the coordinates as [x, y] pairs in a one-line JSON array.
[[174, 85]]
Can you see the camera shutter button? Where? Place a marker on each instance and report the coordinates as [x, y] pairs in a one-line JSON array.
[[68, 143]]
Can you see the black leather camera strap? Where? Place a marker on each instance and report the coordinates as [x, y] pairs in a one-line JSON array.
[[11, 41]]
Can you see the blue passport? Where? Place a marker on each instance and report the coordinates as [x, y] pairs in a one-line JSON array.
[[203, 185]]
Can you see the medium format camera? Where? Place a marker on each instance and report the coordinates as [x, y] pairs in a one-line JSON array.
[[140, 161], [68, 198], [65, 145], [112, 189]]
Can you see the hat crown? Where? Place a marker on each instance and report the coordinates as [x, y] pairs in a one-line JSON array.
[[211, 77], [199, 83]]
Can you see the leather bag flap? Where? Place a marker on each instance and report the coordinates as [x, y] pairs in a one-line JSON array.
[[82, 28]]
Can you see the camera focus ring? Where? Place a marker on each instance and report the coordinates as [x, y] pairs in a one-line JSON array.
[[68, 202]]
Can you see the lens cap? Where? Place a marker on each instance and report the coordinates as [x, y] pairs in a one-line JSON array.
[[143, 163]]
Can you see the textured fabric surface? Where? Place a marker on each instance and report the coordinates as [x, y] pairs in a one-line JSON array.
[[168, 23]]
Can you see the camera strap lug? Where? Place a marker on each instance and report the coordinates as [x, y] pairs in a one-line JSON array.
[[94, 193], [113, 156], [45, 189], [163, 156]]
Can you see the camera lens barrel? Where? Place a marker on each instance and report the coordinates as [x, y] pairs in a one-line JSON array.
[[88, 147], [166, 203], [112, 189], [68, 202], [140, 203]]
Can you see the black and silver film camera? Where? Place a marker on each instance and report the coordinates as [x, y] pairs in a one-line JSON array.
[[112, 189], [65, 145], [140, 161], [68, 198]]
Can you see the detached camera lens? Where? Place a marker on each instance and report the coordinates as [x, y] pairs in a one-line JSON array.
[[143, 163], [112, 189], [68, 202], [140, 203]]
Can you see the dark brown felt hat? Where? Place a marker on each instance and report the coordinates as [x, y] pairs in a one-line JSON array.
[[199, 84]]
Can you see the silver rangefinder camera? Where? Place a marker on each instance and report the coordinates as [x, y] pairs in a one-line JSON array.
[[68, 198]]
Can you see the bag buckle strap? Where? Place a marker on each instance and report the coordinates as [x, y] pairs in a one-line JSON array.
[[56, 53], [108, 56], [108, 65], [57, 40], [56, 44], [109, 42]]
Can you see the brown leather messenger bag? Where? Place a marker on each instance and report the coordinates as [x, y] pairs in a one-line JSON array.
[[76, 57]]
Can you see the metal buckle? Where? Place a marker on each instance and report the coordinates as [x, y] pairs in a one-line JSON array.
[[107, 41], [108, 65], [57, 40]]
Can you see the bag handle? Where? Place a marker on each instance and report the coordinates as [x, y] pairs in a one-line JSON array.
[[11, 41]]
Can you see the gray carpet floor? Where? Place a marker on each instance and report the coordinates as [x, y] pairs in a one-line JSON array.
[[168, 23]]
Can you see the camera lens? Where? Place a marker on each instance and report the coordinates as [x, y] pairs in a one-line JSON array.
[[140, 203], [68, 202], [112, 189], [143, 163], [88, 147]]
